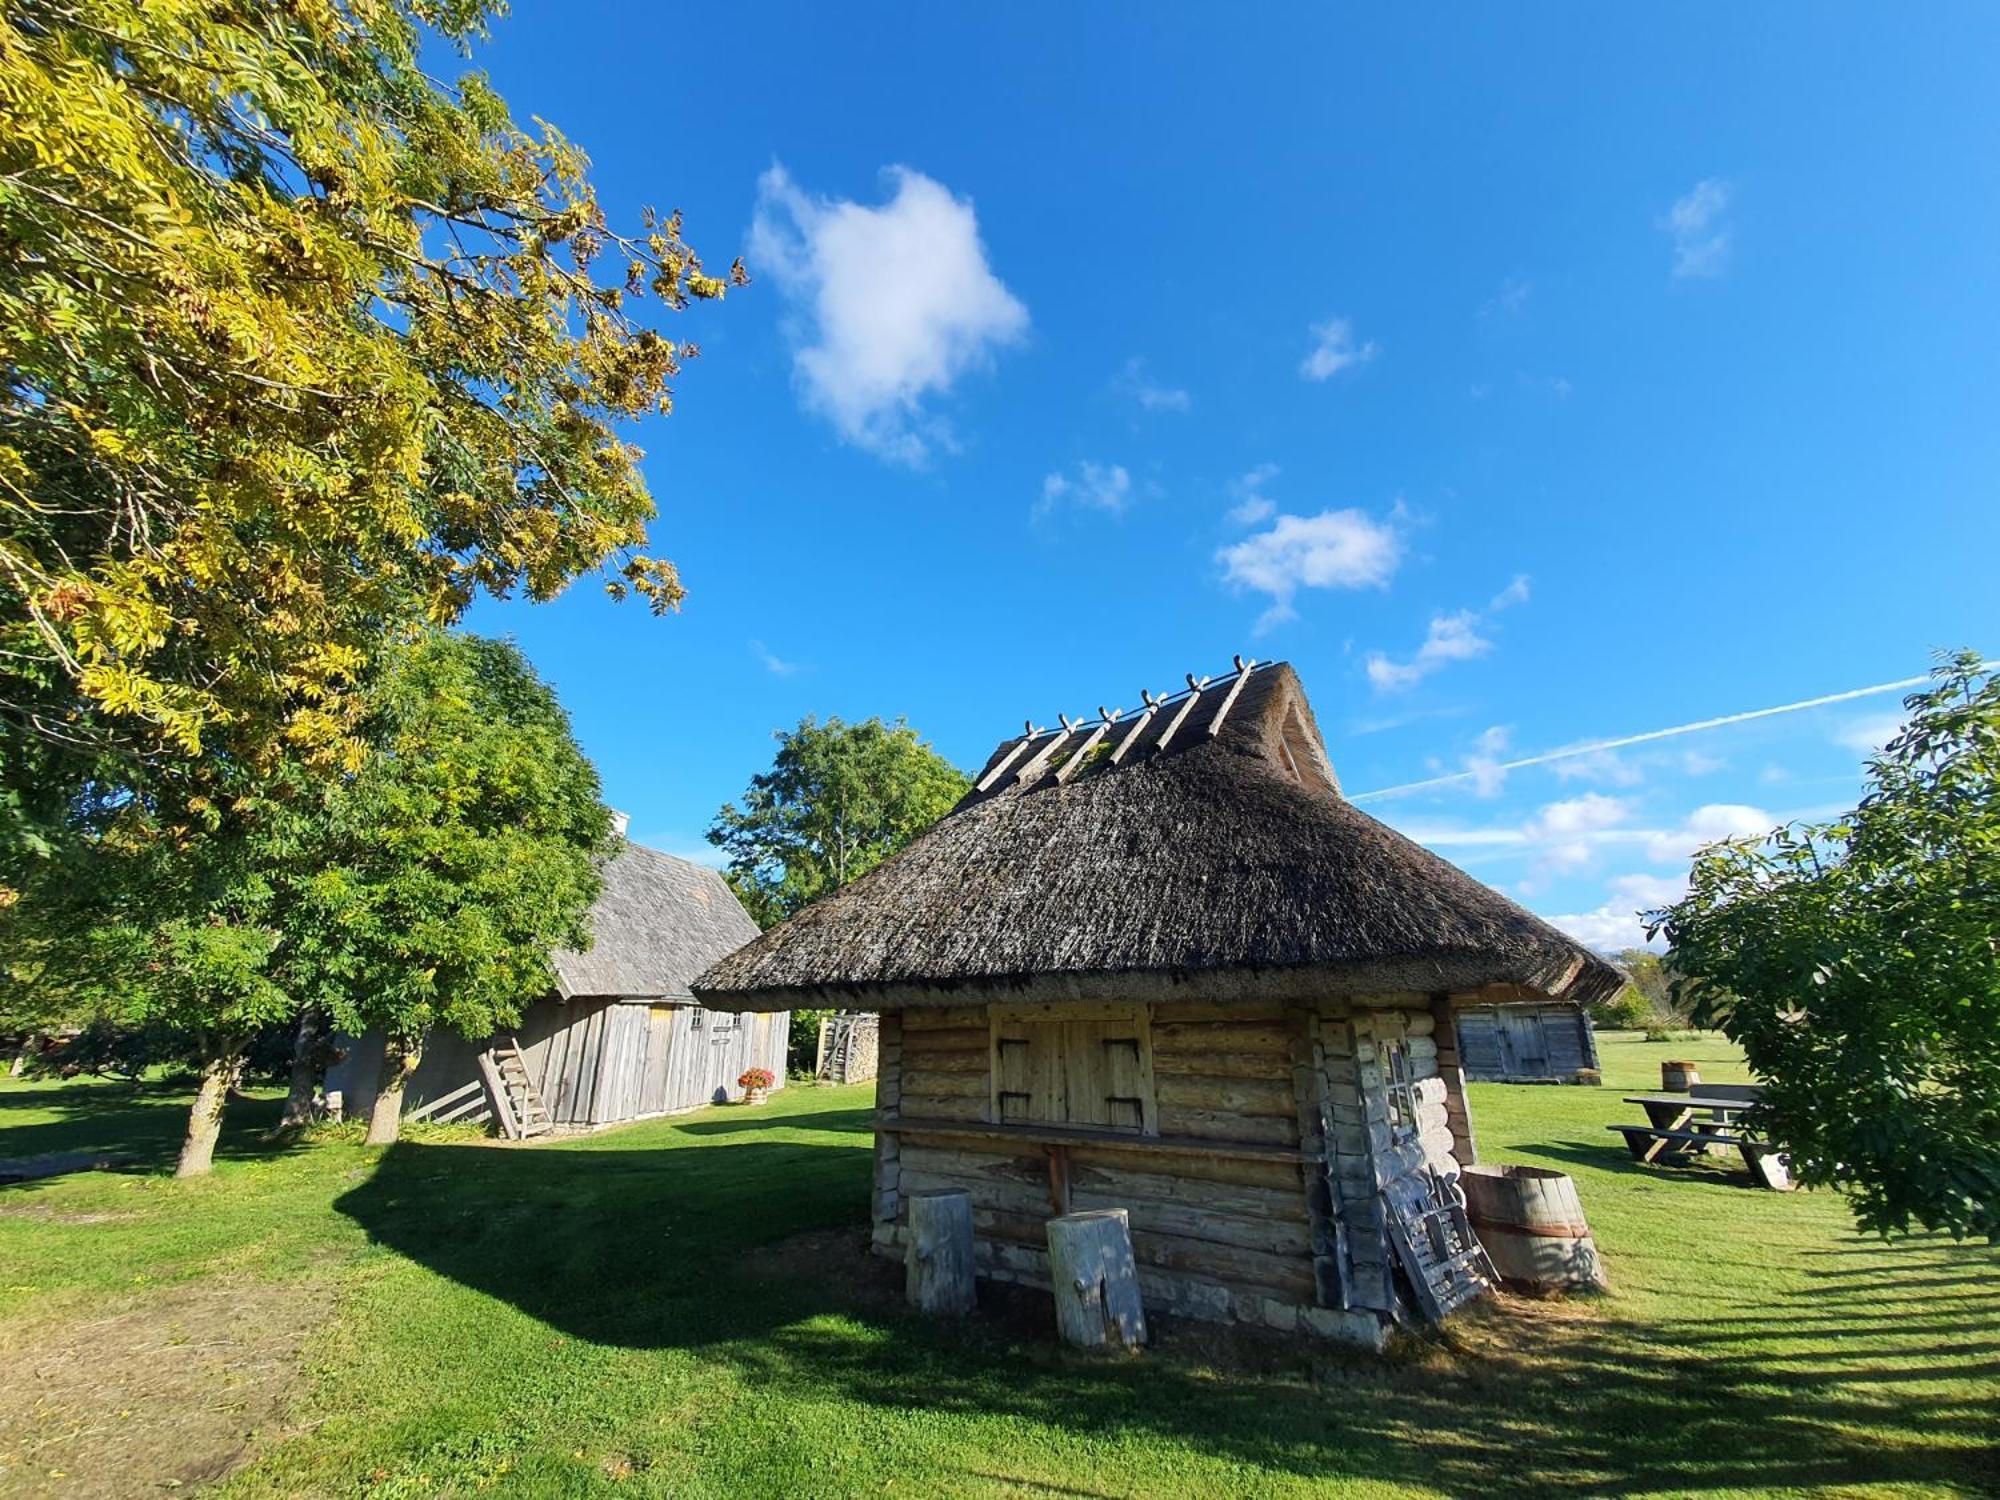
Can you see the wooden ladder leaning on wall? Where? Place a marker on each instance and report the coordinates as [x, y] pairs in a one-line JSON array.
[[517, 1103]]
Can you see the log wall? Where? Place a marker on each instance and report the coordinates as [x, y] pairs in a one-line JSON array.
[[1259, 1199]]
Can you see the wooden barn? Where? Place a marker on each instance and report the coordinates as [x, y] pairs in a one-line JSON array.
[[1155, 961], [619, 1038], [1527, 1043]]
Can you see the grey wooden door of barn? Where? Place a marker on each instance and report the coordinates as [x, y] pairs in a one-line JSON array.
[[1524, 1045]]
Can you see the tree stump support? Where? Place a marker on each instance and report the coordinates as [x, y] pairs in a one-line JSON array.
[[938, 1271], [1095, 1280]]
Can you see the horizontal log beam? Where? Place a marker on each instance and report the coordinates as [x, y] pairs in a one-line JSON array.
[[911, 1123]]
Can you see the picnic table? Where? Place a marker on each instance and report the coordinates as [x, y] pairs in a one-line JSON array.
[[1681, 1127]]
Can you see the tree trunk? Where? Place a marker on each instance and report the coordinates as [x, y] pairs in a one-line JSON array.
[[218, 1077], [1095, 1281], [399, 1061], [20, 1063], [305, 1069], [938, 1274]]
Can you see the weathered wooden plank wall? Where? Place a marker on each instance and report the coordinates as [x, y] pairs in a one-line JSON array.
[[601, 1062]]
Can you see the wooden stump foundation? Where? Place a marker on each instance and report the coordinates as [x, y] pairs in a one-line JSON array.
[[938, 1274], [1096, 1283]]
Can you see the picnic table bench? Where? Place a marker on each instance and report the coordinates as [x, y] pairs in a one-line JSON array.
[[1680, 1127]]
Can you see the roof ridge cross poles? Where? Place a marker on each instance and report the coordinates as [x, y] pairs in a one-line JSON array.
[[1187, 707], [1075, 763], [1138, 728], [1243, 671]]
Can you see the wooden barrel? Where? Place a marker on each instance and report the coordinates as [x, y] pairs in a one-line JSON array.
[[1531, 1222], [1678, 1077]]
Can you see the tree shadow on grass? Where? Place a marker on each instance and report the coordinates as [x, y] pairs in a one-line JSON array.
[[143, 1122], [678, 1248], [739, 1120]]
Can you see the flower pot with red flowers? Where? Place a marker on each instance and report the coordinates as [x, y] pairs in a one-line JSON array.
[[756, 1084]]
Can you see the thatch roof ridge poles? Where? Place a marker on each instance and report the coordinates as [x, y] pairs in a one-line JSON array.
[[1243, 671], [992, 777], [1131, 738], [1075, 763], [1034, 766], [1187, 707]]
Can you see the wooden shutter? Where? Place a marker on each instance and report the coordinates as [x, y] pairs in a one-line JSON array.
[[1109, 1075], [1027, 1072], [1095, 1069]]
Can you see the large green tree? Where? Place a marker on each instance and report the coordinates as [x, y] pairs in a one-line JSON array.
[[1858, 964], [838, 800], [300, 347], [426, 888], [452, 864]]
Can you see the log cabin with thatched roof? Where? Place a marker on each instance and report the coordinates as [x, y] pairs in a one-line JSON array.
[[1155, 961]]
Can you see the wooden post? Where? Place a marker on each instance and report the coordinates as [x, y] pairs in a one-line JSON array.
[[496, 1093], [938, 1275], [1059, 1179], [1096, 1283]]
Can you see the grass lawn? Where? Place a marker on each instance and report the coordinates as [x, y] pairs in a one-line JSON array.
[[617, 1315]]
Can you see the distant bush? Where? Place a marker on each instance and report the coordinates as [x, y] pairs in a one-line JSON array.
[[1671, 1034], [1628, 1010]]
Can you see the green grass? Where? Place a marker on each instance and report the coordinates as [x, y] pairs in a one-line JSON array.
[[608, 1316]]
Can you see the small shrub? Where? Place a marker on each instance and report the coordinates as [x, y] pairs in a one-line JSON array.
[[1628, 1010]]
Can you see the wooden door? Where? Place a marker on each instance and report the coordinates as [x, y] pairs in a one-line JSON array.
[[1526, 1048]]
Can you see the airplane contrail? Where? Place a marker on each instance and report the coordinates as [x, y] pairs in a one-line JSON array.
[[1638, 739]]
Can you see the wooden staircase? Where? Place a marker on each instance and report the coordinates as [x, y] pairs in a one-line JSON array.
[[517, 1103], [833, 1063], [838, 1036]]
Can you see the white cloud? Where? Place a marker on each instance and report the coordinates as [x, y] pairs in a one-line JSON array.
[[1509, 301], [1488, 775], [1334, 350], [1099, 487], [1697, 764], [775, 664], [1603, 767], [1608, 929], [1699, 231], [1708, 824], [1616, 924], [1867, 736], [1137, 382], [1451, 637], [1336, 549], [1252, 504], [894, 304], [1645, 892], [1567, 833]]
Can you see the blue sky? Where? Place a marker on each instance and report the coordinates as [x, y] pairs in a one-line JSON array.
[[1527, 377]]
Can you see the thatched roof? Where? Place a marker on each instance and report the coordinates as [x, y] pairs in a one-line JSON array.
[[1203, 844], [659, 922]]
